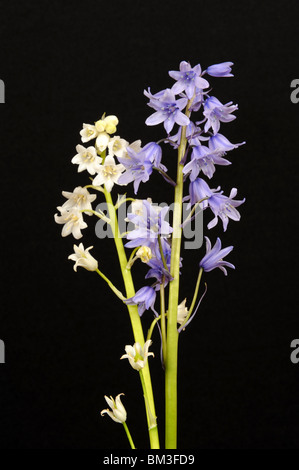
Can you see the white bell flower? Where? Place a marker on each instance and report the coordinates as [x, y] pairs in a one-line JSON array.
[[109, 173], [144, 253], [118, 413], [83, 258], [102, 141], [87, 159], [182, 312], [136, 355], [80, 198], [88, 132], [117, 147], [72, 220]]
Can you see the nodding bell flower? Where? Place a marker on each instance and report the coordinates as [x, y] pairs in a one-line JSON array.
[[182, 312], [83, 258], [136, 355], [144, 253], [118, 413]]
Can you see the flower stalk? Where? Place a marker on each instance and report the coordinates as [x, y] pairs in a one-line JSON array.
[[134, 317]]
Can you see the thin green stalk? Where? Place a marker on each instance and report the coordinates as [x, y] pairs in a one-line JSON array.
[[133, 312], [163, 321], [172, 333], [129, 436], [194, 298], [111, 285]]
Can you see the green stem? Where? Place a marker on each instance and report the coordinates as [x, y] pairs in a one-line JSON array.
[[163, 321], [133, 312], [112, 286], [129, 435], [172, 333], [151, 329]]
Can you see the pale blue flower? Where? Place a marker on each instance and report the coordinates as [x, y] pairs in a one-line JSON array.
[[216, 112], [220, 70], [144, 298], [168, 110], [188, 79], [214, 257]]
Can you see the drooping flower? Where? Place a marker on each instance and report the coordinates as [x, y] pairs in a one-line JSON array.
[[88, 133], [204, 159], [168, 110], [118, 413], [220, 70], [224, 207], [79, 199], [109, 173], [149, 224], [220, 142], [83, 258], [72, 220], [216, 112], [144, 298], [188, 79], [117, 147], [156, 264], [137, 355], [214, 257], [87, 159], [182, 312], [138, 165], [102, 141], [144, 253]]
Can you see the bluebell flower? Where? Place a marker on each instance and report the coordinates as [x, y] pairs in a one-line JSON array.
[[198, 190], [138, 165], [216, 112], [224, 207], [157, 268], [214, 257], [149, 224], [220, 70], [168, 110], [220, 142], [144, 299], [193, 135], [204, 159], [188, 79]]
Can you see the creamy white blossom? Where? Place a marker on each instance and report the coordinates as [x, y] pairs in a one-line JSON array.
[[79, 199], [144, 253], [72, 220], [118, 413], [83, 258], [136, 355], [109, 173], [135, 146], [87, 159], [182, 312], [102, 141], [117, 147], [107, 124], [88, 132]]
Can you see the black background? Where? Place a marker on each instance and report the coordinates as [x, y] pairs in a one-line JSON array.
[[65, 63]]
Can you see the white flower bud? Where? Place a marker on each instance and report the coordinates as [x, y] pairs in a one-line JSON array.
[[118, 413]]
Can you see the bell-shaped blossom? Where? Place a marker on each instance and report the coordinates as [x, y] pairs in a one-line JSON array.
[[83, 258], [144, 253], [87, 159], [72, 220], [139, 167], [168, 110], [118, 412], [109, 173], [225, 208], [144, 298], [198, 190], [88, 132], [102, 141], [137, 355], [188, 79], [149, 224], [216, 112], [156, 264], [204, 159], [117, 147], [220, 142], [79, 199], [214, 257], [182, 312], [220, 70]]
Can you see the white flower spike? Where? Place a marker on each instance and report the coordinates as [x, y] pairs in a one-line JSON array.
[[83, 258], [88, 133], [109, 173], [79, 199], [136, 355], [117, 147], [118, 413]]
